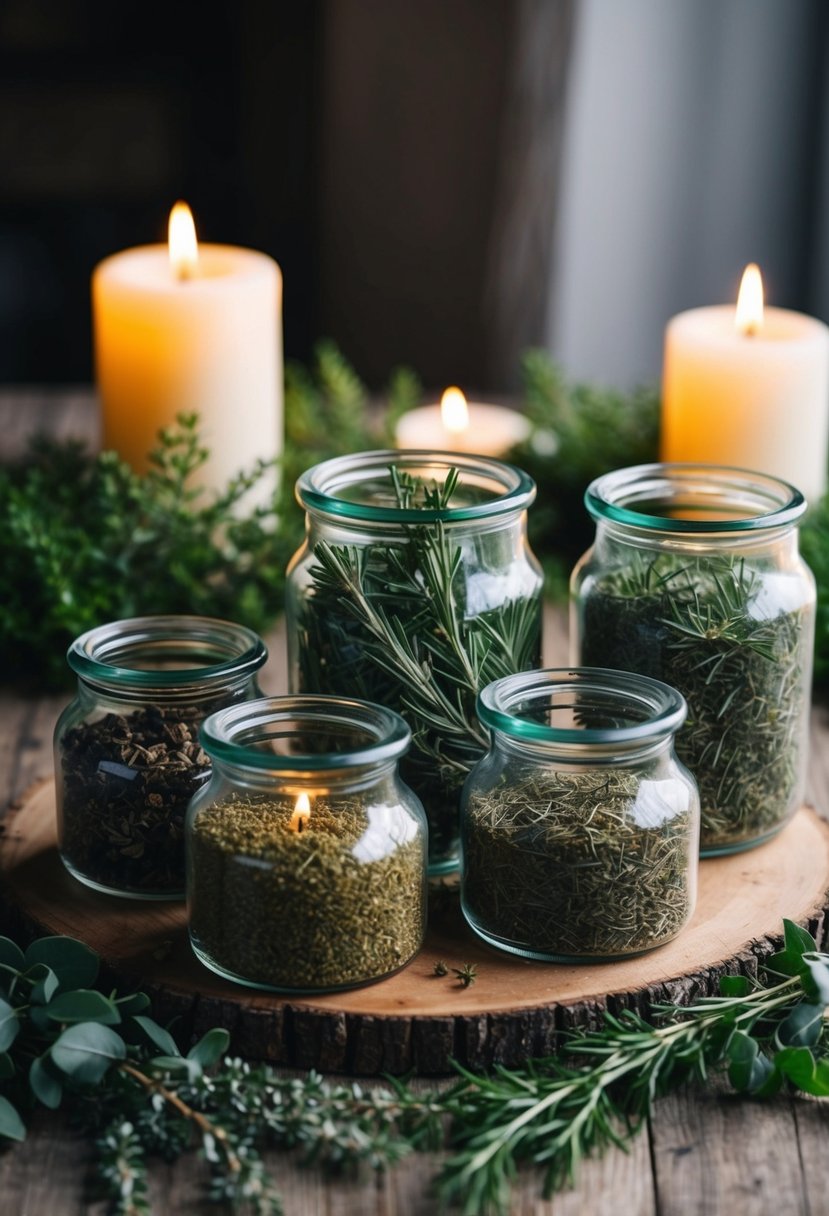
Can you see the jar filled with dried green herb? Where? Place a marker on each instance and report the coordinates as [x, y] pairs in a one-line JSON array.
[[579, 828], [695, 578], [306, 853], [415, 588], [127, 753]]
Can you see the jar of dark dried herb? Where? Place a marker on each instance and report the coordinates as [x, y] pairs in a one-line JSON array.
[[580, 828], [127, 755], [695, 578], [414, 589], [306, 852]]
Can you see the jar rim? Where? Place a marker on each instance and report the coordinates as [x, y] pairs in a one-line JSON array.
[[320, 487], [226, 735], [100, 654], [664, 707], [756, 501]]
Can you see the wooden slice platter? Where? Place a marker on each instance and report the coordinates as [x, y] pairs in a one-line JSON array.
[[415, 1020]]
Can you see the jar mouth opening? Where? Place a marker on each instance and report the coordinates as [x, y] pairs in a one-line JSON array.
[[582, 706], [166, 652], [305, 734], [361, 487], [694, 498]]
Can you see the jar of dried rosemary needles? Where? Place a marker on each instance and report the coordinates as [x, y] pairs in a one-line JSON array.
[[695, 578], [415, 588], [306, 854], [580, 827], [127, 754]]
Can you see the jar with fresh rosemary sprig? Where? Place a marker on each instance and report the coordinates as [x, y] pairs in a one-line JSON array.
[[416, 588], [695, 578], [580, 827]]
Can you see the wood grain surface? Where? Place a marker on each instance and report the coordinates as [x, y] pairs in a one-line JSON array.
[[415, 1021]]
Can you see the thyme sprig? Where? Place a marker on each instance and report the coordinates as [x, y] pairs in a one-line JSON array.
[[122, 1078]]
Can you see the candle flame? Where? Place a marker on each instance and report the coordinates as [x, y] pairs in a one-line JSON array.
[[302, 813], [749, 317], [183, 246], [453, 412]]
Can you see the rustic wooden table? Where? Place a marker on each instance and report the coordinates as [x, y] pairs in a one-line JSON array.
[[704, 1152]]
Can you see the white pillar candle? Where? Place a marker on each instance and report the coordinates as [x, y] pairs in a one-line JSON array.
[[749, 388], [190, 328], [458, 425]]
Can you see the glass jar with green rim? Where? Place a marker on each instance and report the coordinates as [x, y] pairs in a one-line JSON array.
[[306, 852], [127, 755], [580, 827], [695, 577], [415, 588]]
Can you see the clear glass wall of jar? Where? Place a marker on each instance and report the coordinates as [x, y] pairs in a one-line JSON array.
[[127, 756], [695, 578], [306, 852], [579, 828], [415, 590]]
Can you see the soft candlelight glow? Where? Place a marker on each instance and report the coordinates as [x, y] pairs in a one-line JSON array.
[[182, 242], [454, 412], [749, 316], [302, 813]]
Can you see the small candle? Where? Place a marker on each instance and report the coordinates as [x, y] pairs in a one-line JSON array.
[[189, 328], [749, 388], [457, 425], [302, 813]]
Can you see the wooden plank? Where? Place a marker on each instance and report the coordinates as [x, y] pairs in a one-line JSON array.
[[812, 1122], [715, 1152]]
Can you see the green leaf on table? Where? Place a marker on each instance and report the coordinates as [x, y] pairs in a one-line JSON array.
[[797, 941], [816, 979], [11, 955], [797, 1064], [45, 1084], [11, 1125], [75, 965], [45, 984], [9, 1025], [132, 1004], [802, 1027], [734, 985], [158, 1036], [210, 1047], [748, 1068], [86, 1051], [83, 1005]]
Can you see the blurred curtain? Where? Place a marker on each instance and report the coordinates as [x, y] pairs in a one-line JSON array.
[[440, 126], [696, 140]]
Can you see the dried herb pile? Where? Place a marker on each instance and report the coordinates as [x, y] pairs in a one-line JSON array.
[[313, 909], [388, 622], [125, 782], [569, 863], [741, 665]]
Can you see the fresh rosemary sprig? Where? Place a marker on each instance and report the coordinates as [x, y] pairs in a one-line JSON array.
[[122, 1078]]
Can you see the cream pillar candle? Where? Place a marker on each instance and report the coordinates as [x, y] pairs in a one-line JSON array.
[[460, 426], [190, 329], [749, 389]]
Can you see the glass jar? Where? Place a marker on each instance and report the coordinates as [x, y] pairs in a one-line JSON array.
[[695, 578], [127, 756], [579, 828], [415, 588], [306, 852]]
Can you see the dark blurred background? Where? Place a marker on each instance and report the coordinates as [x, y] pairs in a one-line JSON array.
[[444, 182]]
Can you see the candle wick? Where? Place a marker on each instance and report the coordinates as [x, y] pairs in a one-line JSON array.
[[184, 272]]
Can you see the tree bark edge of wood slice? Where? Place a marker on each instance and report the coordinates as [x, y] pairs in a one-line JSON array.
[[417, 1021]]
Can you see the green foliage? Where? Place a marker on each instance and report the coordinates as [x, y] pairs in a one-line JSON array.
[[86, 540], [814, 539], [135, 1104], [579, 431]]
